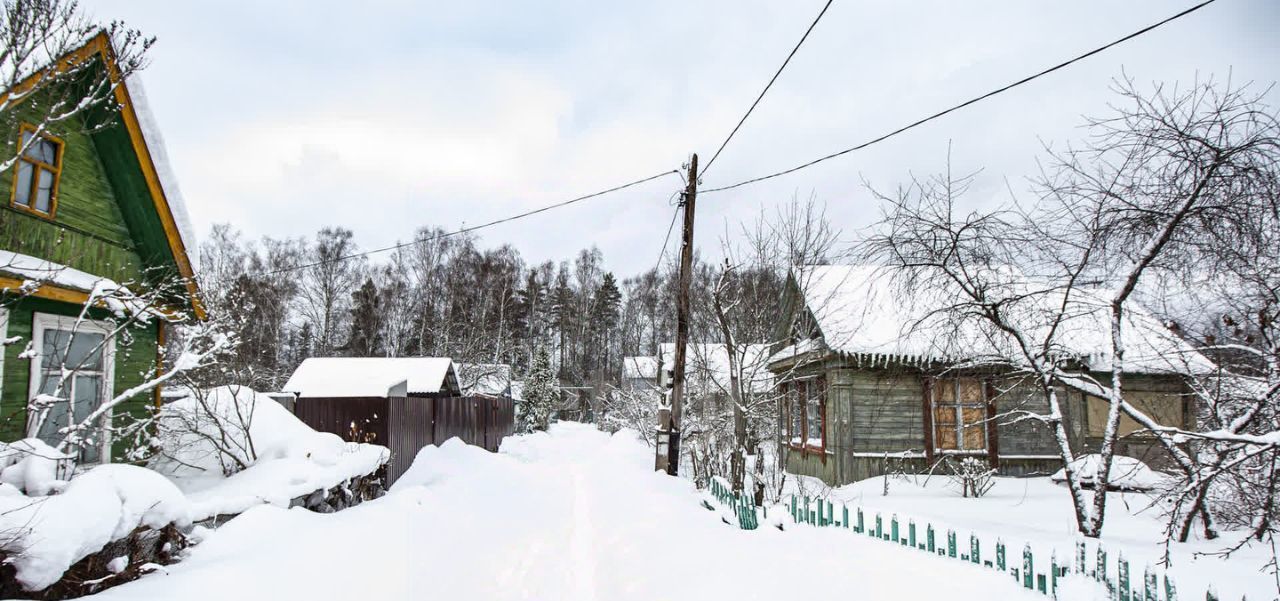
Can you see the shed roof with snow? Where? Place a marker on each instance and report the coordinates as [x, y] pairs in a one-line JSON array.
[[373, 377], [869, 314]]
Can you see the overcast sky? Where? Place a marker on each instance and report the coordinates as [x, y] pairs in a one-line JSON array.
[[382, 116]]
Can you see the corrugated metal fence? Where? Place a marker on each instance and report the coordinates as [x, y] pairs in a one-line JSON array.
[[406, 424]]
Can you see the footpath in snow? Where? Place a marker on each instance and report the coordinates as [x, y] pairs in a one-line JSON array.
[[570, 514]]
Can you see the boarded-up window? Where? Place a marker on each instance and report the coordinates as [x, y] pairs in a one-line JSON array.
[[1164, 407], [959, 415], [806, 401]]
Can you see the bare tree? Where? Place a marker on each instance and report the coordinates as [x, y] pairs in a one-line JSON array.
[[52, 75]]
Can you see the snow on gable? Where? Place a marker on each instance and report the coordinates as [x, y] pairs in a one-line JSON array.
[[868, 312], [371, 376], [164, 170], [707, 366]]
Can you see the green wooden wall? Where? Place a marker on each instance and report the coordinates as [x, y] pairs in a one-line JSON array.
[[134, 360], [88, 230]]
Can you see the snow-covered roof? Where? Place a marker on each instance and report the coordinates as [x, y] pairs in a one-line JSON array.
[[47, 272], [370, 376], [707, 366], [489, 379], [164, 169], [640, 368], [866, 312]]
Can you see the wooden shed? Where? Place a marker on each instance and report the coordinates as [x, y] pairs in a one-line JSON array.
[[402, 403]]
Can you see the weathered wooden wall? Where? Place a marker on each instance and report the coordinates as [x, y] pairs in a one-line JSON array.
[[871, 412]]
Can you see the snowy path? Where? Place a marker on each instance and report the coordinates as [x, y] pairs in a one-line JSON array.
[[575, 514]]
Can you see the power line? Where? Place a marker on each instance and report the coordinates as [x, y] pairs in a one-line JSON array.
[[476, 227], [667, 239], [766, 88], [963, 104]]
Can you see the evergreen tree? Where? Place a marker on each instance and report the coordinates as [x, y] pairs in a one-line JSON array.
[[366, 322], [604, 319], [541, 392]]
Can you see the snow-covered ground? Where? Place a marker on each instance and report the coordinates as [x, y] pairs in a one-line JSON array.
[[570, 514], [1038, 512]]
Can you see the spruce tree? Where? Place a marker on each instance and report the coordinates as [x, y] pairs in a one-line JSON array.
[[541, 392], [366, 322]]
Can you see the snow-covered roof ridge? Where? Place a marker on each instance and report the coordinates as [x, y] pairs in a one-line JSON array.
[[871, 313], [369, 376]]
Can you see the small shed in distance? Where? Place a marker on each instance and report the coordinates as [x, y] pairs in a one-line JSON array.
[[402, 403]]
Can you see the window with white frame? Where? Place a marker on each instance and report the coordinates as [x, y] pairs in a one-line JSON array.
[[72, 369]]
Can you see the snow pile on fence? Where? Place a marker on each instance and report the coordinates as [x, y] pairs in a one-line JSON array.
[[1126, 473], [44, 536], [231, 448]]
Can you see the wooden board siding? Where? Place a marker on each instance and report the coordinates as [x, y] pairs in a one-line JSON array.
[[887, 414], [134, 362], [88, 231], [1027, 436]]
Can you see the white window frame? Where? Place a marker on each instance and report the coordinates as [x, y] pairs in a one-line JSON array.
[[4, 335], [49, 321]]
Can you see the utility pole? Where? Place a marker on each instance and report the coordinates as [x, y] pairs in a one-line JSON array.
[[682, 318]]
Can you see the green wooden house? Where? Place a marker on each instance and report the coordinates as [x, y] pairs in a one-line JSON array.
[[870, 387], [88, 199]]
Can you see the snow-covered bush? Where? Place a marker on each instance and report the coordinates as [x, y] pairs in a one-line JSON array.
[[227, 429], [972, 475], [41, 537], [1126, 473]]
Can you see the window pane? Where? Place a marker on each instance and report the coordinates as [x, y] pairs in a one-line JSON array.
[[44, 191], [86, 396], [971, 391], [946, 391], [945, 437], [22, 191], [797, 410], [59, 411], [815, 416], [44, 150], [975, 430], [78, 350]]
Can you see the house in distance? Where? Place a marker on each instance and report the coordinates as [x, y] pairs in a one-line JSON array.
[[863, 382]]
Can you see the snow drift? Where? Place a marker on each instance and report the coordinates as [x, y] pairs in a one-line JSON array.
[[230, 448]]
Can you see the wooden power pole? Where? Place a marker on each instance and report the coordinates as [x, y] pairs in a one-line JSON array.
[[682, 318]]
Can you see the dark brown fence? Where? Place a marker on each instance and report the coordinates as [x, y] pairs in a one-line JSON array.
[[406, 424]]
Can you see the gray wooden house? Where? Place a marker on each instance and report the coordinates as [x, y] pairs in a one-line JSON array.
[[868, 386]]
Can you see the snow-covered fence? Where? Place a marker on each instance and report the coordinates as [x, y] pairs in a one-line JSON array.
[[743, 506], [1116, 576]]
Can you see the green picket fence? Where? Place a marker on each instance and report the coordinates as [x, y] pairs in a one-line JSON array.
[[742, 505], [822, 513]]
